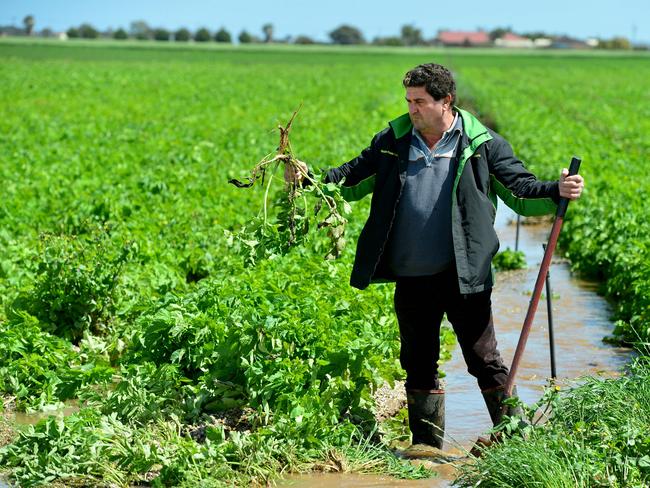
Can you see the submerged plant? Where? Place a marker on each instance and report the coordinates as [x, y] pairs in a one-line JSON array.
[[509, 260]]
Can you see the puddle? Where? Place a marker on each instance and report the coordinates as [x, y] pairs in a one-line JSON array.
[[22, 418], [580, 321], [361, 481]]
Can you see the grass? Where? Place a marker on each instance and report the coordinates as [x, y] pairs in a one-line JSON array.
[[598, 435]]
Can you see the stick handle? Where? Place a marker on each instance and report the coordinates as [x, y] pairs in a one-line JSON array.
[[564, 202]]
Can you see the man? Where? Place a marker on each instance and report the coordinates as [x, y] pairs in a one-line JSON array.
[[435, 174]]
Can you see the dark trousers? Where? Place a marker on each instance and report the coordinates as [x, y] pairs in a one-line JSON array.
[[420, 303]]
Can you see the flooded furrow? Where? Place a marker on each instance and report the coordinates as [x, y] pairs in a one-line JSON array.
[[581, 319]]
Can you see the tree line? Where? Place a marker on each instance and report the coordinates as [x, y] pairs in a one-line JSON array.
[[140, 30], [345, 34]]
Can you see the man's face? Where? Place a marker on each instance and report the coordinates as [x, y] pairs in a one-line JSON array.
[[425, 112]]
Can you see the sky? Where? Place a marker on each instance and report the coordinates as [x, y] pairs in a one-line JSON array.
[[578, 18]]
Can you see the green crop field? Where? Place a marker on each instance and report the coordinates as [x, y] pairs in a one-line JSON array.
[[199, 353]]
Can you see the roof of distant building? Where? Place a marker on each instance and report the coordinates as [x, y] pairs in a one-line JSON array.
[[510, 36], [460, 37]]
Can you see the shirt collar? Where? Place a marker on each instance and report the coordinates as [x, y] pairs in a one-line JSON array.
[[456, 126]]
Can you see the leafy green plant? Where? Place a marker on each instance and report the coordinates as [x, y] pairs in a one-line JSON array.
[[88, 448], [139, 394], [509, 260], [75, 288], [38, 368]]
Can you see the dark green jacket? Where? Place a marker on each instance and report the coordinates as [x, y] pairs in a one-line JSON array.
[[485, 168]]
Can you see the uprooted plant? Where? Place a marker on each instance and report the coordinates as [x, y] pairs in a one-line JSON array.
[[292, 223]]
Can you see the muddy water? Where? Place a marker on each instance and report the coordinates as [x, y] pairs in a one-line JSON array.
[[33, 418], [580, 318]]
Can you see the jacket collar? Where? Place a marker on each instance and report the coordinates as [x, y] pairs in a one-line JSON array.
[[401, 126]]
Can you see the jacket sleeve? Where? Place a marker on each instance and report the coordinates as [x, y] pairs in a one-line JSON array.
[[356, 178], [517, 186]]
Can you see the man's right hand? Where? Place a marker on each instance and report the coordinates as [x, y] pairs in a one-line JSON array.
[[295, 174]]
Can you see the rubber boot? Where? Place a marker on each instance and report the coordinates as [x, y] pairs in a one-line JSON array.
[[426, 409], [494, 401]]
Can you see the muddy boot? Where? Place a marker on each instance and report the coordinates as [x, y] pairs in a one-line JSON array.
[[426, 409]]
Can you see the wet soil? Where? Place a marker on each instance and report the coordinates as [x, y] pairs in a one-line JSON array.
[[581, 319]]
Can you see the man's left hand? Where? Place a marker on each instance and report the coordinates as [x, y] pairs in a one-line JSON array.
[[571, 186]]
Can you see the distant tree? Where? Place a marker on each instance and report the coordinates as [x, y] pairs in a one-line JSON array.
[[267, 29], [347, 34], [87, 31], [72, 33], [202, 35], [535, 35], [47, 32], [621, 43], [411, 36], [140, 30], [29, 23], [120, 34], [388, 41], [303, 40], [245, 37], [615, 43], [222, 35], [499, 32], [161, 34], [182, 35]]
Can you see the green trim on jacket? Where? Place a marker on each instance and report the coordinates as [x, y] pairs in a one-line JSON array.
[[401, 126], [528, 207], [477, 134], [358, 191]]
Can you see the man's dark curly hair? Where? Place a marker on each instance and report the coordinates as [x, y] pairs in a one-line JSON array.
[[435, 78]]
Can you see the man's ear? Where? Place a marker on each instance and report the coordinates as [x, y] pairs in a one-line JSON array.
[[448, 102]]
